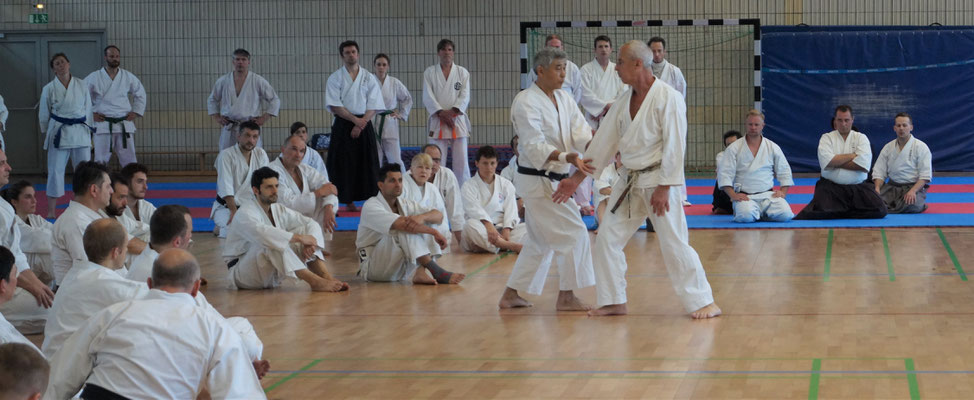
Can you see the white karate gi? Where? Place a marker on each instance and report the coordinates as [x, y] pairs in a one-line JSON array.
[[832, 143], [602, 86], [3, 122], [909, 165], [445, 93], [110, 97], [303, 199], [22, 310], [754, 175], [9, 334], [87, 289], [75, 141], [510, 170], [225, 101], [429, 198], [556, 232], [446, 182], [36, 240], [656, 135], [141, 271], [159, 347], [672, 75], [572, 83], [607, 179], [386, 255], [68, 230], [233, 179], [496, 203], [396, 98], [358, 96], [263, 250], [146, 209]]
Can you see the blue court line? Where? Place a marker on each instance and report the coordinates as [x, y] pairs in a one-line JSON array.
[[866, 70], [805, 198], [630, 372], [768, 275]]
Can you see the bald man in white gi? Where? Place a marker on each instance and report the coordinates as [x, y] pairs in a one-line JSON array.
[[648, 127], [551, 135]]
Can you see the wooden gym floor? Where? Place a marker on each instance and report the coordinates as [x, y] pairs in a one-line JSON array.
[[809, 314]]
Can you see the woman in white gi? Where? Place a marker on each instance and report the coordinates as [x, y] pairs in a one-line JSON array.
[[416, 187], [398, 103], [906, 161], [35, 231], [65, 120], [311, 157], [747, 171], [490, 206]]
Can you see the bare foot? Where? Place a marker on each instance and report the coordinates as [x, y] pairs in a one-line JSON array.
[[261, 367], [456, 277], [324, 285], [567, 301], [613, 309], [510, 299], [509, 245], [709, 311], [448, 278], [421, 277]]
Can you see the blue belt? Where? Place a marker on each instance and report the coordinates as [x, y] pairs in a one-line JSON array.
[[67, 122]]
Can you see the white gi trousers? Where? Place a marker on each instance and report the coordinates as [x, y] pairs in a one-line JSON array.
[[555, 233], [390, 147], [57, 161], [24, 314], [263, 268], [460, 167], [762, 206], [105, 143], [583, 194], [682, 262], [474, 236], [394, 257]]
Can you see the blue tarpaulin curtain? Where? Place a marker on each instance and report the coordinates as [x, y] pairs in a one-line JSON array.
[[927, 72]]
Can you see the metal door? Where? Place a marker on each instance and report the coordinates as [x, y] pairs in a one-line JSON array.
[[24, 71]]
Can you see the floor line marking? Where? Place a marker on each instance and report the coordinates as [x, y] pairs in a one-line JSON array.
[[953, 257], [293, 374], [813, 382], [636, 372], [889, 260], [828, 258], [496, 259], [911, 379]]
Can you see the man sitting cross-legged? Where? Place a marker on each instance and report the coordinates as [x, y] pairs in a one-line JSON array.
[[268, 242], [491, 209], [395, 236]]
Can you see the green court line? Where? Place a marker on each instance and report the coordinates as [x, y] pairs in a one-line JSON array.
[[953, 257], [912, 379], [889, 260], [330, 359], [289, 377], [816, 366], [742, 376], [828, 258], [498, 258]]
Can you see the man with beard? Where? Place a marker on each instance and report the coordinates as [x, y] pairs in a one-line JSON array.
[[137, 177], [269, 242], [116, 209], [113, 113], [233, 168]]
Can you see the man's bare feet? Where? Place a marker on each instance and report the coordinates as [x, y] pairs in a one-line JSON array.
[[567, 301], [455, 278], [510, 299], [613, 309], [508, 245], [324, 285], [421, 277], [709, 311]]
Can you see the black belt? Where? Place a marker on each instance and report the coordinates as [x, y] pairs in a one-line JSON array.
[[221, 201], [95, 392], [752, 194], [125, 134], [232, 263], [535, 172]]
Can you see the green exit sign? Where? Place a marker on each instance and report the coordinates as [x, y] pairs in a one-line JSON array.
[[37, 18]]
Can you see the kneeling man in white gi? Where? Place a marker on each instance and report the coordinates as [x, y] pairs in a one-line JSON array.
[[162, 346], [747, 171], [906, 161], [647, 125], [269, 242], [490, 205], [395, 236]]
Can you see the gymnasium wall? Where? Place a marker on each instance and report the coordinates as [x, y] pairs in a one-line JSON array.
[[179, 48]]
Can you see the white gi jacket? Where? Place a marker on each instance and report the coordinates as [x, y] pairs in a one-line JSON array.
[[909, 165], [356, 96], [252, 230], [446, 182], [110, 97], [71, 102], [672, 75], [68, 231], [428, 197], [233, 173], [496, 203], [542, 129], [602, 86], [224, 100], [303, 200], [396, 97], [832, 143], [444, 93], [159, 347], [748, 173], [9, 334]]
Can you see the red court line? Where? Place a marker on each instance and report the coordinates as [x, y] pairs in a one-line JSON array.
[[934, 208]]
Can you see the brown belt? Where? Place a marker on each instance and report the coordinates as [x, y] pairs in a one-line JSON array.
[[630, 179]]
